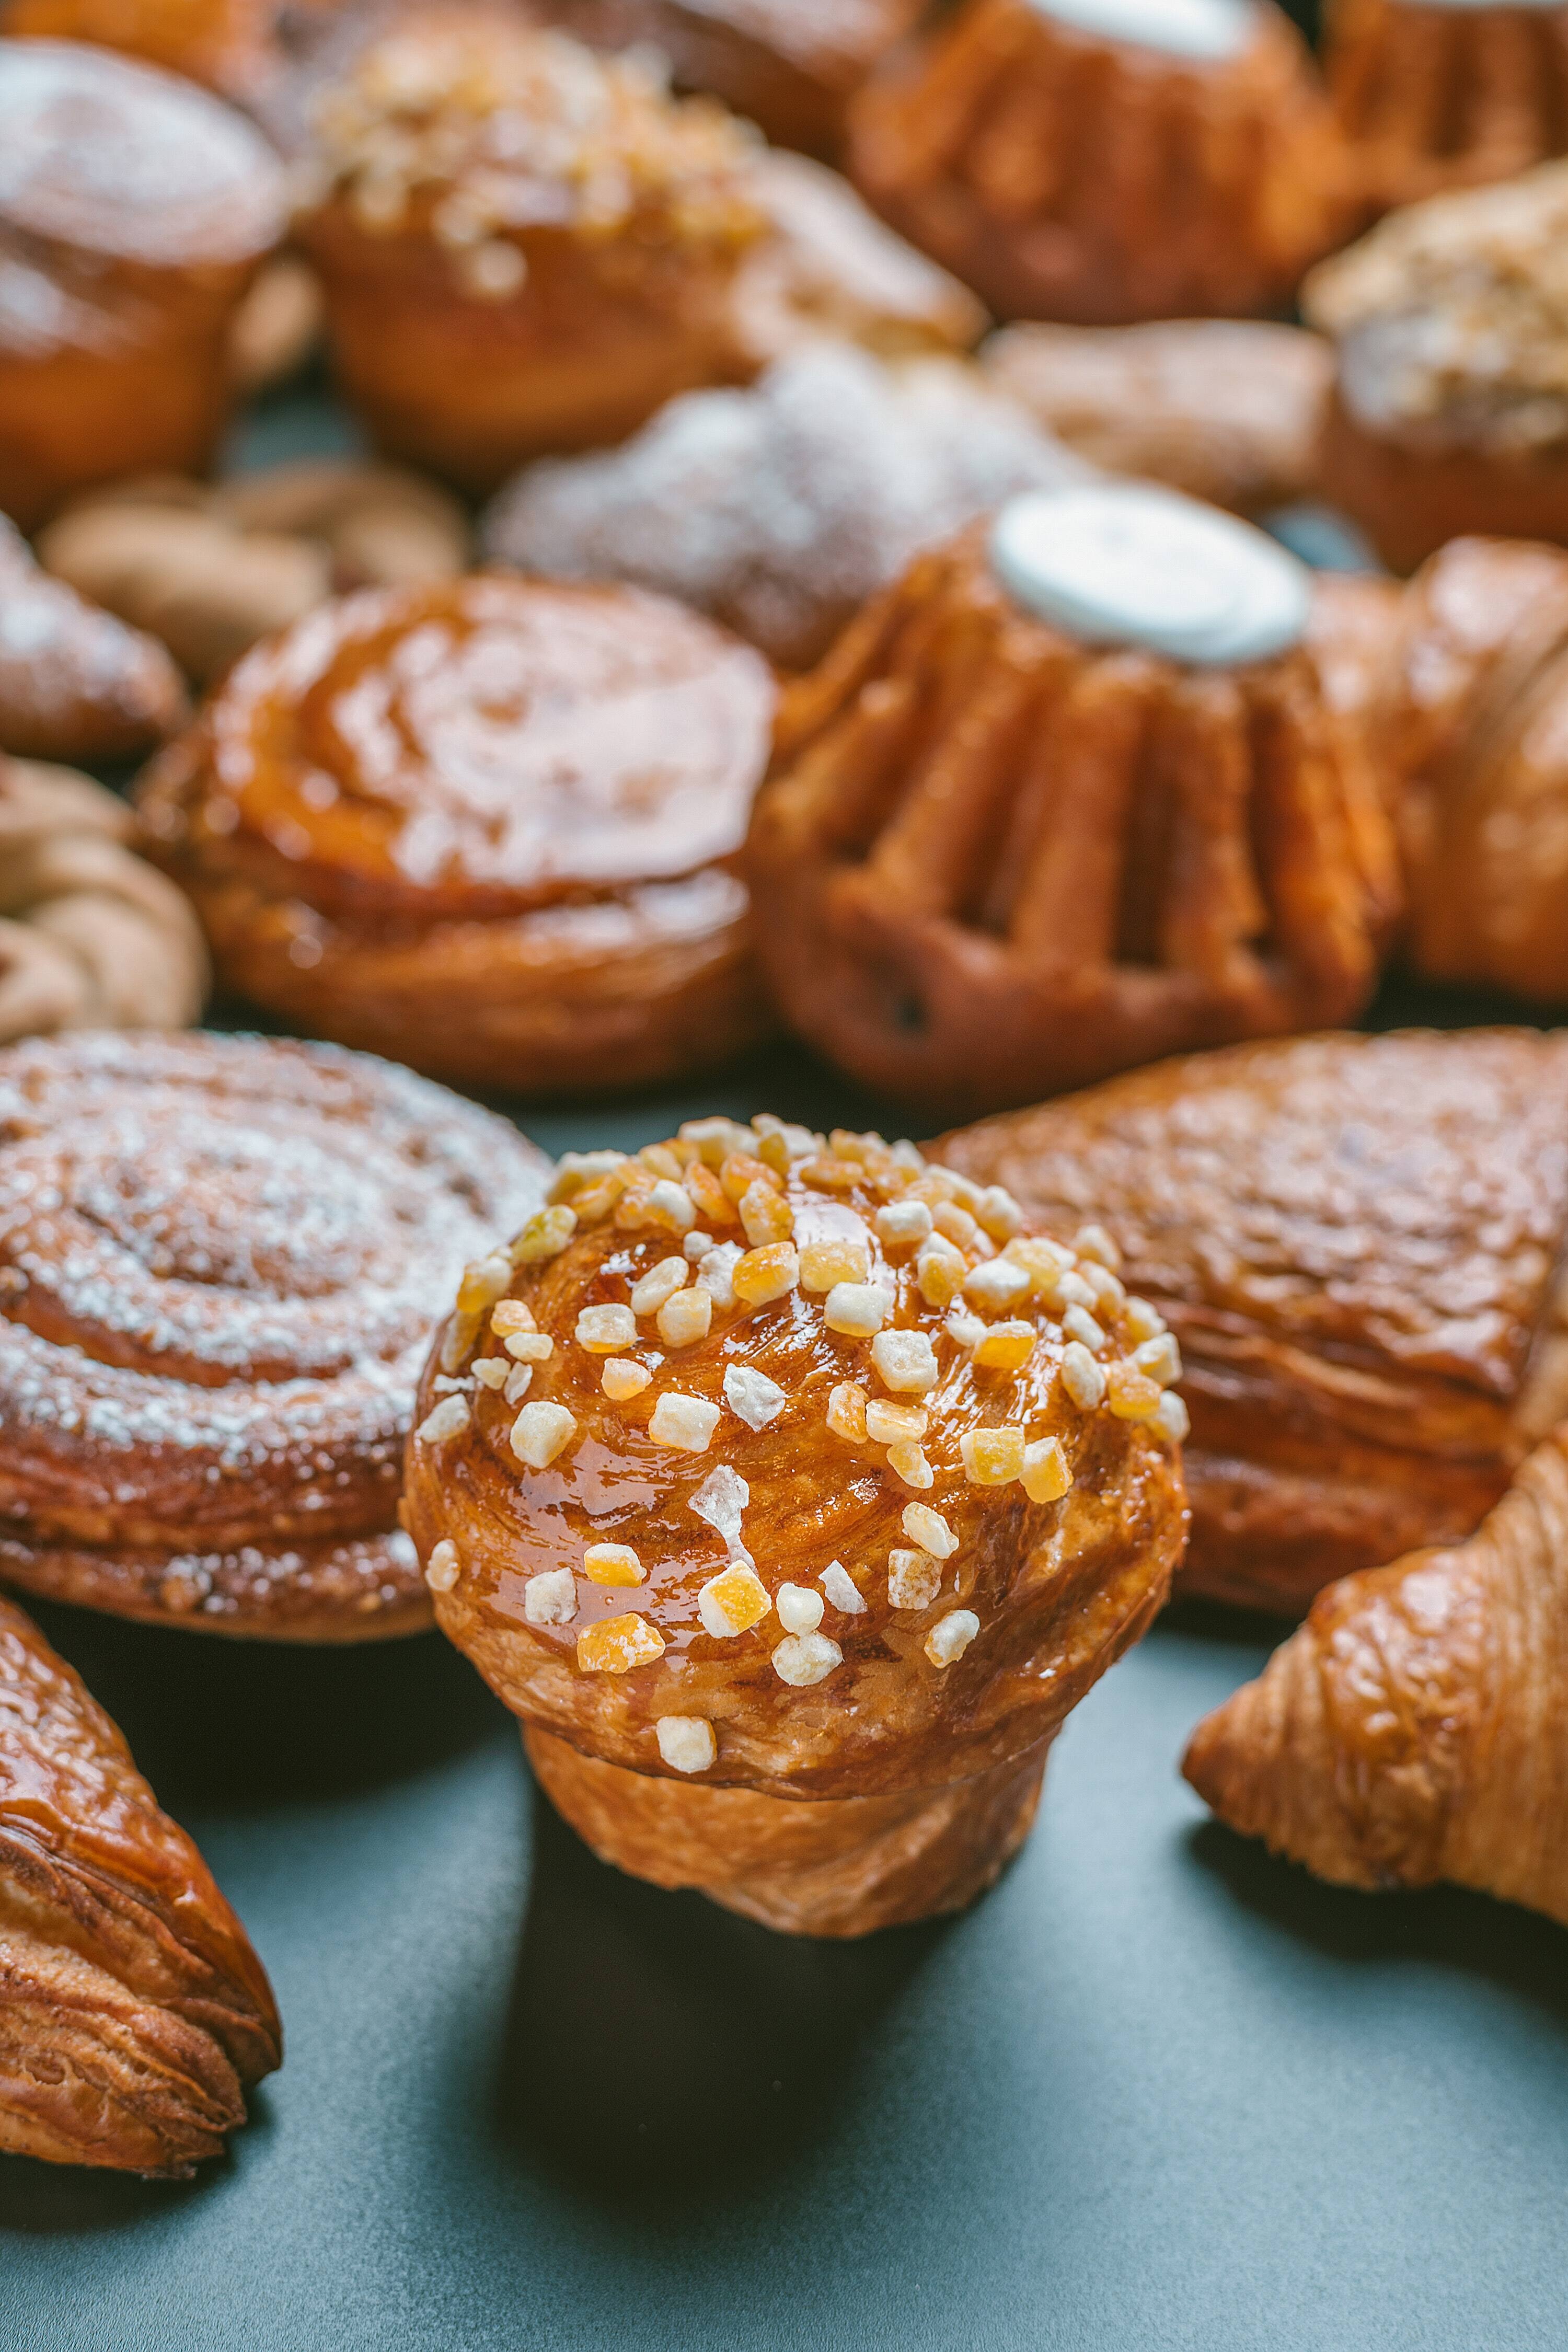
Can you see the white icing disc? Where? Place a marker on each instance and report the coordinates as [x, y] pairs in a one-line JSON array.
[[1206, 30], [1124, 563]]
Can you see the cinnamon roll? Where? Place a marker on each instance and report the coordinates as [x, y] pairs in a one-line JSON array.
[[134, 2015], [486, 827], [117, 284], [220, 1258], [792, 1499], [1073, 794]]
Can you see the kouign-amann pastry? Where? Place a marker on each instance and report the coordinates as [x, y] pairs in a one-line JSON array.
[[75, 682], [220, 1260], [134, 2015], [1475, 728], [91, 937], [1451, 320], [1357, 1242], [118, 282], [488, 828], [789, 65], [226, 44], [1231, 410], [1105, 160], [781, 509], [1070, 796], [209, 571], [793, 1500], [525, 247], [1412, 1729], [1436, 94]]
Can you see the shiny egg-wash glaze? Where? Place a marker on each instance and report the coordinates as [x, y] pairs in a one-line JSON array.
[[938, 1623]]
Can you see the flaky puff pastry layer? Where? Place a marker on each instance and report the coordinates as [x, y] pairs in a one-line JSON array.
[[833, 1507], [1358, 1242], [991, 861], [1412, 1728], [1067, 176], [133, 2012]]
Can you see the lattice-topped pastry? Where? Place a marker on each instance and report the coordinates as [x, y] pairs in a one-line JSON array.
[[1435, 94], [1103, 161], [792, 1498], [220, 1258], [1073, 794]]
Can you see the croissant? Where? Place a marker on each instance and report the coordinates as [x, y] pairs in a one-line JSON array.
[[1355, 1241], [75, 682], [133, 2013], [1412, 1729], [91, 937], [1474, 731]]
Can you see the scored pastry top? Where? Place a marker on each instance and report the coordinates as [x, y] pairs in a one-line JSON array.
[[480, 747], [801, 1440]]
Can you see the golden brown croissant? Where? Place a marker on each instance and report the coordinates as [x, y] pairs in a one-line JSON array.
[[1356, 1240], [1413, 1728], [133, 2013], [1474, 731], [793, 1500]]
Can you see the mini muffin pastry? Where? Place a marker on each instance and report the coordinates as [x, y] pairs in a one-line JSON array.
[[1451, 320], [789, 65], [1474, 725], [1436, 94], [1070, 796], [1105, 160], [781, 509], [488, 828], [76, 683], [118, 282], [226, 44], [525, 247], [792, 1502], [134, 2015], [1231, 410], [1358, 1244], [90, 936], [1414, 1730], [220, 1260]]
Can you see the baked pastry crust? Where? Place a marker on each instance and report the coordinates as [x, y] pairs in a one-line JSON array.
[[1357, 1242], [536, 890], [219, 1258], [485, 304], [117, 287], [1430, 95], [992, 862], [1231, 410], [226, 44], [1471, 729], [812, 1414], [1068, 175], [76, 683], [1412, 1729], [133, 2013]]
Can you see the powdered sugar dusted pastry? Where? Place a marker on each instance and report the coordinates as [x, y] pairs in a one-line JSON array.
[[488, 827], [1436, 94], [525, 247], [75, 683], [118, 283], [780, 509], [220, 1261], [794, 1502], [134, 2015], [1103, 161], [1072, 795], [1451, 322]]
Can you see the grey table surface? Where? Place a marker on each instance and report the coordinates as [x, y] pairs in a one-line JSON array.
[[1156, 2091]]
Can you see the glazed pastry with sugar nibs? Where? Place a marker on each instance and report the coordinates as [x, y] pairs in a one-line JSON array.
[[879, 1566]]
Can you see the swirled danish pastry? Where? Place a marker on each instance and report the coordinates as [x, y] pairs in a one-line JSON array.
[[220, 1259]]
